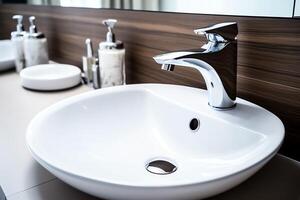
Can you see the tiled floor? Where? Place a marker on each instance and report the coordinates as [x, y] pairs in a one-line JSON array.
[[23, 179]]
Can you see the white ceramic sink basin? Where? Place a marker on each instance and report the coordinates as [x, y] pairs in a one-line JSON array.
[[6, 55], [102, 141]]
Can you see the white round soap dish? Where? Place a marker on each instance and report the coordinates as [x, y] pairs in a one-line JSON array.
[[50, 77]]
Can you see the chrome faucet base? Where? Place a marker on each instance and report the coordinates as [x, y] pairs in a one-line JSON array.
[[223, 108]]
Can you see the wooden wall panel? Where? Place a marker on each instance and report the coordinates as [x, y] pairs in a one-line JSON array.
[[268, 55]]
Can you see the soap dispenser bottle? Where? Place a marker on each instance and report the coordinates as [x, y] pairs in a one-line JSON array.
[[35, 46], [111, 58], [17, 38]]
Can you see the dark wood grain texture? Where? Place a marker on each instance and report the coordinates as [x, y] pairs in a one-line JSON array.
[[268, 51]]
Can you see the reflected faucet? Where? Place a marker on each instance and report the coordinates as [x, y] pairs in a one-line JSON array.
[[216, 61]]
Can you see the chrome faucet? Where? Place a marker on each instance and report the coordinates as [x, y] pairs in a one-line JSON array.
[[216, 61]]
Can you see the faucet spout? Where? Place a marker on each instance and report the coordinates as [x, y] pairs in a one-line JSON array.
[[216, 61], [168, 67]]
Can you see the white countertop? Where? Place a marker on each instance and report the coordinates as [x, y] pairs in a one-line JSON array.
[[24, 179]]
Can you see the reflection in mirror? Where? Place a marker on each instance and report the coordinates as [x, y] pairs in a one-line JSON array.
[[297, 9], [269, 8], [116, 4]]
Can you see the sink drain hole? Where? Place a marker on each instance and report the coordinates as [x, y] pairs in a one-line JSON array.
[[161, 167], [194, 124]]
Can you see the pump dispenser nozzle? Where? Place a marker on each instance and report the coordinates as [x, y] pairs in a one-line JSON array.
[[32, 28], [111, 42], [110, 24], [19, 28], [33, 32]]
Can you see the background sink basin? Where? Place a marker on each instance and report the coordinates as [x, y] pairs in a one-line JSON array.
[[102, 141], [6, 55]]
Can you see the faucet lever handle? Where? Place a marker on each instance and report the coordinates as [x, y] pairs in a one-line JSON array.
[[222, 32]]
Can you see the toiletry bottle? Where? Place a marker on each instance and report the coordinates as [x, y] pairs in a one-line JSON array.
[[35, 46], [17, 38], [96, 76], [88, 61], [111, 58]]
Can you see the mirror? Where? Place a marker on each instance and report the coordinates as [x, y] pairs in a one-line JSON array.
[[297, 9], [267, 8]]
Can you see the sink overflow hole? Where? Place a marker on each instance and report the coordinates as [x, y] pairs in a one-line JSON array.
[[161, 167], [194, 124]]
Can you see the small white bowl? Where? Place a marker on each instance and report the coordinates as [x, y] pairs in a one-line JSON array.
[[50, 77]]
